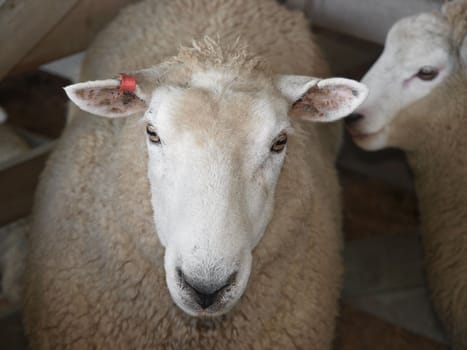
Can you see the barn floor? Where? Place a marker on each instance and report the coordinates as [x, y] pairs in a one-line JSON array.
[[384, 300]]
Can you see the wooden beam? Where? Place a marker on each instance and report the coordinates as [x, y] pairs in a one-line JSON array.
[[23, 23], [368, 20], [73, 33]]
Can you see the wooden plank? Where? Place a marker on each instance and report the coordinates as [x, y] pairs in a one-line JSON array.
[[382, 264], [73, 33], [23, 23], [18, 181], [12, 335], [372, 207], [361, 331]]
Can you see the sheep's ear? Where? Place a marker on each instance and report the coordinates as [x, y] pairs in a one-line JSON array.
[[104, 98], [323, 100]]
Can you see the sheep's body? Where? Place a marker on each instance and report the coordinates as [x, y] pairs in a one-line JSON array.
[[426, 116], [440, 170], [95, 275]]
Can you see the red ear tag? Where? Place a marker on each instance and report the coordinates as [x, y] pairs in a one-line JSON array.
[[127, 83]]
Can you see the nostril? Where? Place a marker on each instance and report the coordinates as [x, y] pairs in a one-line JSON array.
[[205, 300], [231, 279], [205, 293], [354, 117]]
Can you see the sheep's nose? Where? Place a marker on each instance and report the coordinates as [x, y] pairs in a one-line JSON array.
[[203, 299], [206, 293], [353, 118]]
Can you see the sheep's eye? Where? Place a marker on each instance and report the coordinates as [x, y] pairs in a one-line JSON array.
[[427, 73], [152, 134], [279, 143]]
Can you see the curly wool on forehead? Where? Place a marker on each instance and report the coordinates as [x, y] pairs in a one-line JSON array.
[[210, 118], [236, 57]]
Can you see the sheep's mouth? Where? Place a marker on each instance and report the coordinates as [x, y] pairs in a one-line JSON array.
[[214, 311], [192, 303], [359, 135]]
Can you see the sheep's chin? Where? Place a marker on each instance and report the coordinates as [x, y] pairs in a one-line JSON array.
[[205, 314], [374, 141], [192, 309], [185, 300]]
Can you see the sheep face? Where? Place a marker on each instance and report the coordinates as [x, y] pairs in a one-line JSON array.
[[216, 145], [213, 174], [418, 57]]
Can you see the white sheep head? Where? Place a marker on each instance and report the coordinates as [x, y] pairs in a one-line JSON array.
[[216, 143], [422, 54]]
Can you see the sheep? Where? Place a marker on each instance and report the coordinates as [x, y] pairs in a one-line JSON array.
[[418, 104], [11, 145], [170, 191]]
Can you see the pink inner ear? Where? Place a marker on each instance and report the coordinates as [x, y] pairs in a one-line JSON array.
[[319, 101], [329, 98], [110, 100]]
